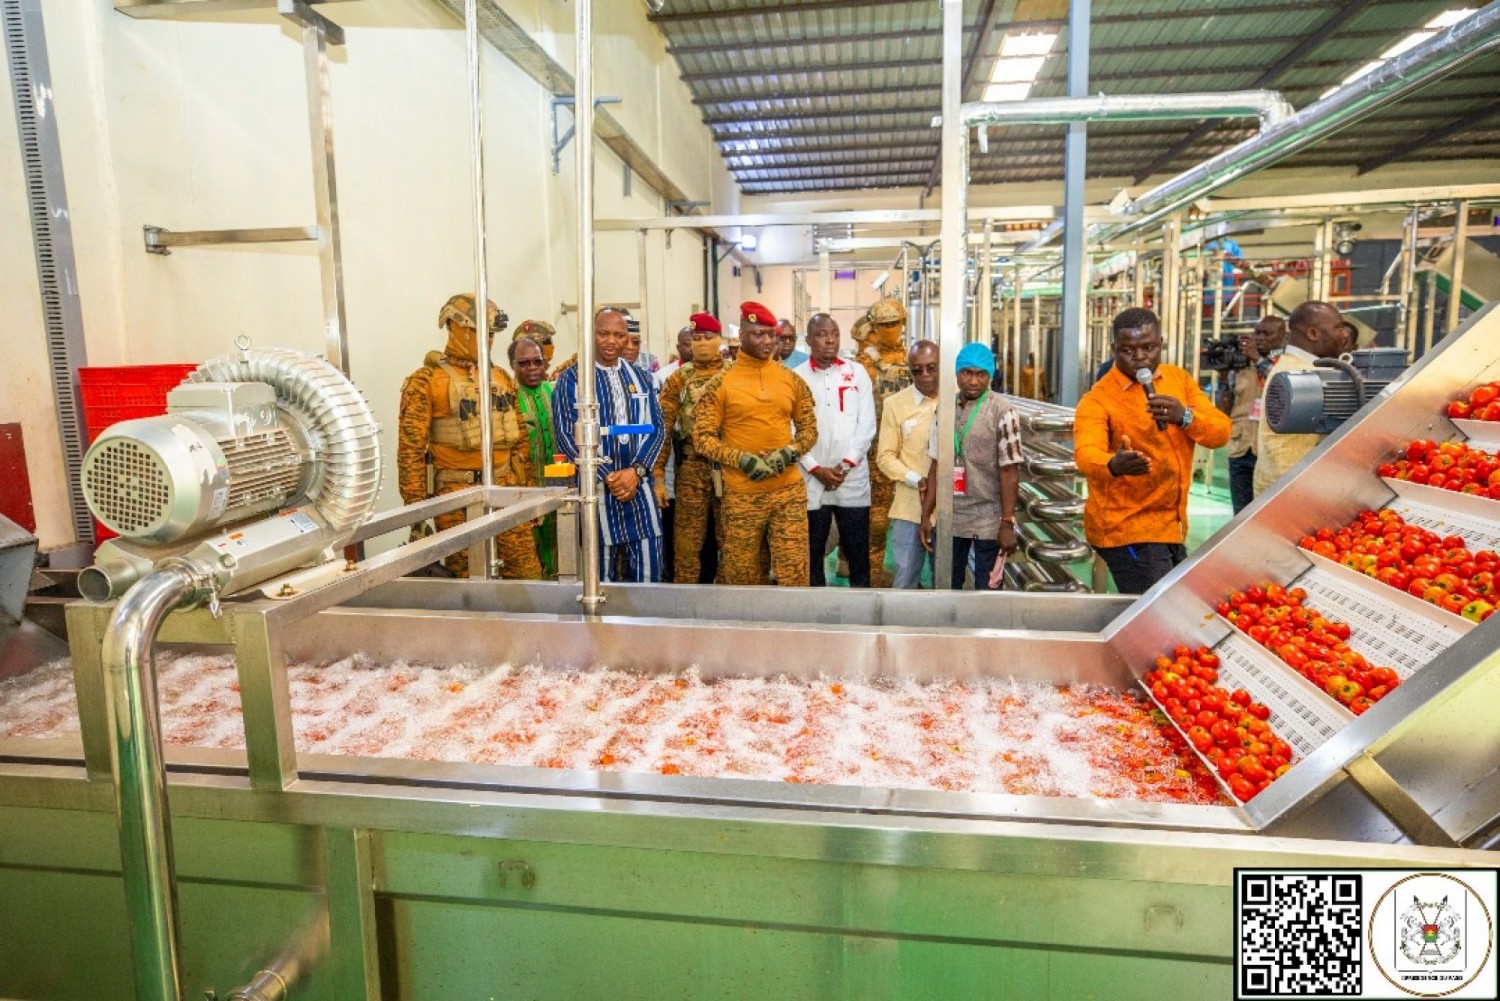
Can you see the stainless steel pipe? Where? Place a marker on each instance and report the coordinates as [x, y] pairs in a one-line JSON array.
[[1466, 41], [588, 404], [140, 777], [1267, 105], [274, 981], [481, 280]]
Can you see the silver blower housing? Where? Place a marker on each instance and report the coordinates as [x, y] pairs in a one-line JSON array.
[[1318, 401], [275, 451]]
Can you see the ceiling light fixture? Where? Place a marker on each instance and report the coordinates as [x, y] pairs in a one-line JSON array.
[[1018, 65]]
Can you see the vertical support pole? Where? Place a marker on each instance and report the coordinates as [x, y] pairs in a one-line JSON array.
[[1075, 262], [1034, 343], [1013, 354], [1318, 285], [1456, 277], [85, 641], [265, 700], [985, 297], [954, 276], [483, 568], [588, 405], [642, 295], [1408, 327], [825, 281], [325, 194], [1169, 292], [1195, 345], [348, 880], [1429, 308]]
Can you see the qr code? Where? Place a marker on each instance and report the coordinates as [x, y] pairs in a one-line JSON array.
[[1299, 934]]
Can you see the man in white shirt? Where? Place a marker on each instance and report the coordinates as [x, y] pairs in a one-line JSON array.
[[837, 470]]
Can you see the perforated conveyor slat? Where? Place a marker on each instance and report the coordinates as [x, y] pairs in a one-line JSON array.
[[1479, 533], [1383, 631], [1295, 715]]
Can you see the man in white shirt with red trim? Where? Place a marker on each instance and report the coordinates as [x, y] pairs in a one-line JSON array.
[[837, 469]]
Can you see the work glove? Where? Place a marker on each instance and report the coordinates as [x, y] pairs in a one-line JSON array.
[[781, 459], [755, 467]]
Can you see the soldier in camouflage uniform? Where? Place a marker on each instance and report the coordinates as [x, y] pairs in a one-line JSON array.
[[744, 421], [695, 503], [883, 354], [440, 423], [540, 331]]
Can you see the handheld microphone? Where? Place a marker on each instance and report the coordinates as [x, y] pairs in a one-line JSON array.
[[1143, 376]]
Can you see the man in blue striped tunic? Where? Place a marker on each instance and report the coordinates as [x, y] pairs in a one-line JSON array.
[[629, 522]]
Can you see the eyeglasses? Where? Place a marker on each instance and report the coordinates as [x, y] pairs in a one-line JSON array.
[[924, 369]]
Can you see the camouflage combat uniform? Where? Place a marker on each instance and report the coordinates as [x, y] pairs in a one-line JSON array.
[[440, 420], [886, 365], [695, 502], [752, 407]]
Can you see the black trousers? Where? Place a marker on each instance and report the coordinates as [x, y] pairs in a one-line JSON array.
[[854, 542], [1135, 568], [1241, 481], [986, 552]]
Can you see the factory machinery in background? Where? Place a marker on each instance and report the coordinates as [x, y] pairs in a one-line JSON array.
[[437, 878]]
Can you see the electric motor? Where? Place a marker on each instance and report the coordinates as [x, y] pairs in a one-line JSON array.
[[1318, 401], [222, 453]]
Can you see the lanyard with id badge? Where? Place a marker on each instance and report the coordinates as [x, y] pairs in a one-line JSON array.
[[960, 477]]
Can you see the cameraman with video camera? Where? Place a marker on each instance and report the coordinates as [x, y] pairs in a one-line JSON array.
[[1243, 368]]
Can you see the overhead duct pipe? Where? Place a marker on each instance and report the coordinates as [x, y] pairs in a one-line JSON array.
[[1440, 55], [1267, 105]]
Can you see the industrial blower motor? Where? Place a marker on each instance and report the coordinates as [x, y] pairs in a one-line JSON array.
[[264, 461], [1319, 401]]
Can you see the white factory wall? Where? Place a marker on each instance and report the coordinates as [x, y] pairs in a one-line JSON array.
[[202, 124]]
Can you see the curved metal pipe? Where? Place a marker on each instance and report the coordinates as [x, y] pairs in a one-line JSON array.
[[1466, 41], [140, 777], [274, 981], [1047, 466], [1267, 105], [1045, 422]]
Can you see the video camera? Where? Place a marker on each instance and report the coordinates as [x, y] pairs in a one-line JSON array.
[[1224, 354]]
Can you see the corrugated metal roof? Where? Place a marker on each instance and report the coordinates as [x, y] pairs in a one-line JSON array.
[[824, 95]]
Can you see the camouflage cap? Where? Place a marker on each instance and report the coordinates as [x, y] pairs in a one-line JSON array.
[[888, 311], [538, 330], [460, 310]]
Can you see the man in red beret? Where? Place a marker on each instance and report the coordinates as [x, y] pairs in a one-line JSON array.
[[695, 507], [744, 422]]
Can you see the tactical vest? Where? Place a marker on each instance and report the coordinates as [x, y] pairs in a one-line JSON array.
[[461, 429], [692, 391], [887, 377]]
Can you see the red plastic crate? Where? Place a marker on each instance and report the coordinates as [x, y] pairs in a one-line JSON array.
[[114, 393], [111, 394]]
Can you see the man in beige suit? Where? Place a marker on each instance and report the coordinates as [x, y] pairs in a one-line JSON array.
[[1313, 331]]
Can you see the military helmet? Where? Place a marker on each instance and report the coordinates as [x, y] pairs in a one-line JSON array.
[[460, 309], [862, 329], [888, 311], [538, 330]]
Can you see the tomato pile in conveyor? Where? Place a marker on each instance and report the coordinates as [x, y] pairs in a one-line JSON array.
[[988, 736]]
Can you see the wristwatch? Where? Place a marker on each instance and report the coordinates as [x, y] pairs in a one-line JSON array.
[[1187, 417], [640, 472]]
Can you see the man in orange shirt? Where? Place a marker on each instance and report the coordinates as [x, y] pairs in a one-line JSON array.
[[1134, 444], [744, 422]]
